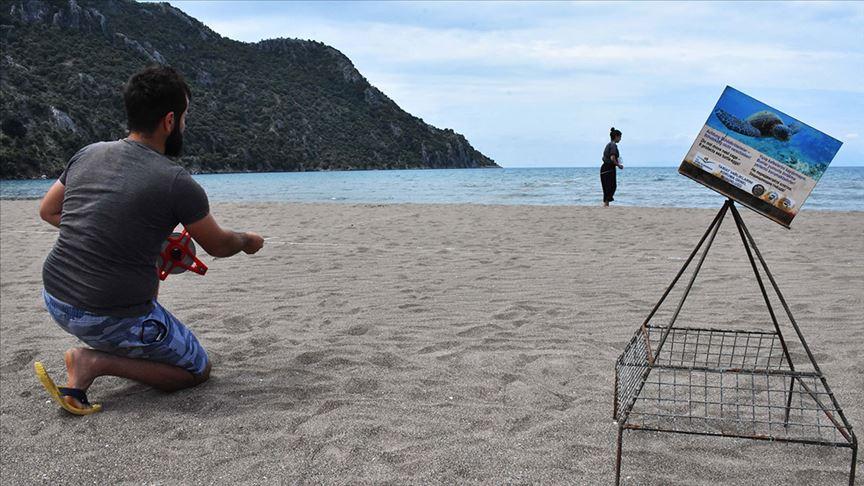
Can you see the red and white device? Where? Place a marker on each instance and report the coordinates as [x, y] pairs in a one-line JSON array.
[[178, 255]]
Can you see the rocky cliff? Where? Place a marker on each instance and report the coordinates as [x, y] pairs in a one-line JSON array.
[[275, 105]]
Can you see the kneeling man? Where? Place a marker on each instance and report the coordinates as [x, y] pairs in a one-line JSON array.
[[115, 204]]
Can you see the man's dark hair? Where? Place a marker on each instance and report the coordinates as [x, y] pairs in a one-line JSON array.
[[152, 93]]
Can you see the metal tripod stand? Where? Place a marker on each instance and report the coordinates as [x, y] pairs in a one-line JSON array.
[[727, 383]]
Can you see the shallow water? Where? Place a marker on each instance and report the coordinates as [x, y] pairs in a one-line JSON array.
[[840, 189]]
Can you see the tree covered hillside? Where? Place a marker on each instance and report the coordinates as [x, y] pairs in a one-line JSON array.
[[275, 105]]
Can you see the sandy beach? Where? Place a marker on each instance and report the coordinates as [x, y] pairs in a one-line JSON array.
[[428, 344]]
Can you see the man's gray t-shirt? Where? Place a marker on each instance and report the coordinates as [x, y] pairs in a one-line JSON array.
[[122, 200]]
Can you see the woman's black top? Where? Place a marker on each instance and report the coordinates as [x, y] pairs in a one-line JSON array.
[[610, 150]]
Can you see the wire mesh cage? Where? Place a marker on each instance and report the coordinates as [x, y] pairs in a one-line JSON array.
[[728, 383], [722, 382]]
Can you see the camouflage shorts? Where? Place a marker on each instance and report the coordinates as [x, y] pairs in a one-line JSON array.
[[156, 336]]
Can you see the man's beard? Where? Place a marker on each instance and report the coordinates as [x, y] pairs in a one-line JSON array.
[[174, 142]]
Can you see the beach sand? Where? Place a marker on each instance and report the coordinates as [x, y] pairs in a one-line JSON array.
[[418, 344]]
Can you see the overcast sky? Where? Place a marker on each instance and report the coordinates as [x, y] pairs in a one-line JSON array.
[[540, 84]]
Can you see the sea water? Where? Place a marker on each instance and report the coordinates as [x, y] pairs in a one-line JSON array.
[[840, 189]]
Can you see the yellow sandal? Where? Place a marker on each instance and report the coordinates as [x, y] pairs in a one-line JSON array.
[[57, 393]]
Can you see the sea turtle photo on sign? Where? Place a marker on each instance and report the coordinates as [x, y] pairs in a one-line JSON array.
[[759, 156]]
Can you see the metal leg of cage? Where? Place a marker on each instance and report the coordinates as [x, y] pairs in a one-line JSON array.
[[780, 297], [712, 230], [709, 235], [714, 222], [742, 229], [615, 399], [618, 458], [749, 243], [789, 402]]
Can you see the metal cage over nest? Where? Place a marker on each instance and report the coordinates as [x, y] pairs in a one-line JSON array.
[[729, 383]]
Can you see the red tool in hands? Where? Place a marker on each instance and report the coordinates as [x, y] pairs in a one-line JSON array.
[[178, 255]]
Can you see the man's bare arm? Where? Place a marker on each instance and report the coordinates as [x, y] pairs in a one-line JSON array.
[[223, 243], [52, 204]]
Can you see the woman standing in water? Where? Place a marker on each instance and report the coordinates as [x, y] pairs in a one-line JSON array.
[[611, 160]]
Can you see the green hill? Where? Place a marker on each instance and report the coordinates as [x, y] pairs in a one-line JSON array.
[[275, 105]]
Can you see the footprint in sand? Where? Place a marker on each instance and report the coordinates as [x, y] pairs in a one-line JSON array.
[[387, 360], [239, 324], [20, 360], [521, 424], [339, 362], [480, 330], [361, 386], [438, 347], [330, 405], [311, 357]]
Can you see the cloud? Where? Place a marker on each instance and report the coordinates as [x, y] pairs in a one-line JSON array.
[[562, 73]]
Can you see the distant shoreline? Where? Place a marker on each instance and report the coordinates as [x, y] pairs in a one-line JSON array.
[[420, 169], [44, 177]]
